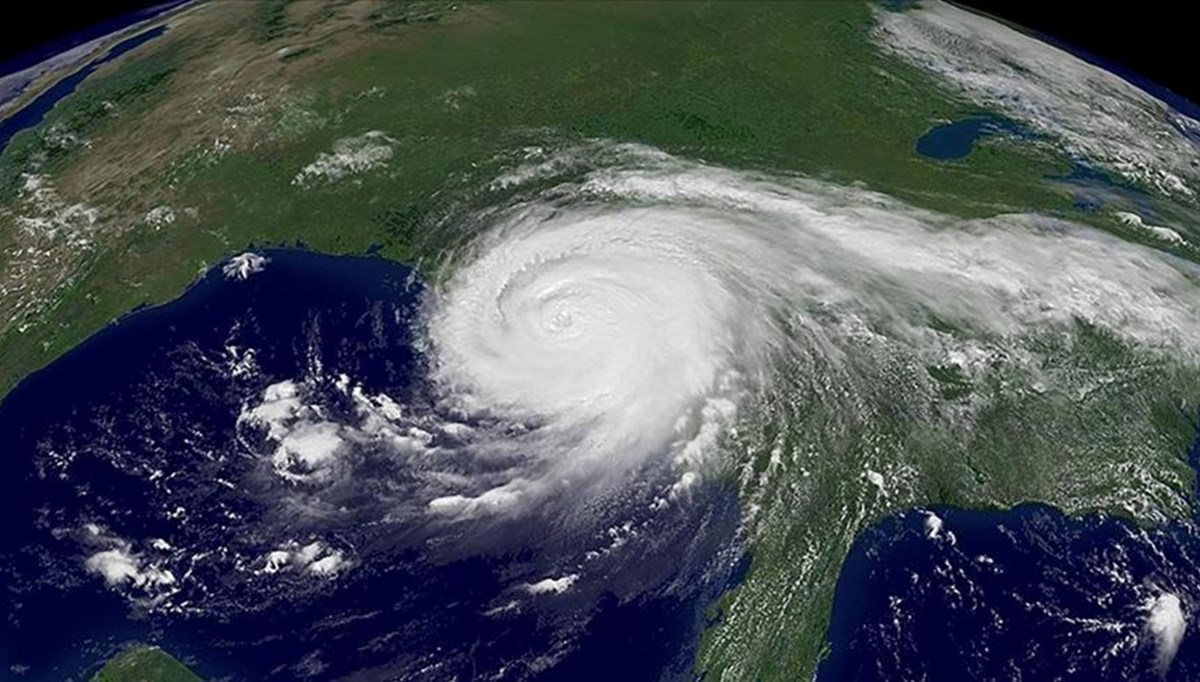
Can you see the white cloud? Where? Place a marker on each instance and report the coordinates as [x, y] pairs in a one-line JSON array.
[[350, 156], [933, 525], [43, 213], [276, 561], [160, 217], [245, 264], [638, 262], [308, 451], [1166, 234], [507, 497], [315, 558], [1166, 621], [329, 565], [552, 585], [120, 566], [1092, 112], [280, 406], [116, 566], [307, 445]]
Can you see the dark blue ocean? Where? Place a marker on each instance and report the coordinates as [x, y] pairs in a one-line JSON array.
[[136, 431], [1026, 594]]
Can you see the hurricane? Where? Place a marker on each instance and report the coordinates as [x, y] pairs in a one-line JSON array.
[[596, 341], [626, 373], [633, 307]]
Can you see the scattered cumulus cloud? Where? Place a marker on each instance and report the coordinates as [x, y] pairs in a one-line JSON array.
[[160, 217], [350, 156], [115, 560], [315, 558]]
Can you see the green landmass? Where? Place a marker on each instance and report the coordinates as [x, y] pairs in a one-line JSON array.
[[144, 664], [215, 123], [461, 89]]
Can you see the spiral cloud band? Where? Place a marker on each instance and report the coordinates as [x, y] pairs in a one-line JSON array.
[[621, 316]]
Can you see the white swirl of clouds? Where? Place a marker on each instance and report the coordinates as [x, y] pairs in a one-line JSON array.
[[622, 315], [608, 333]]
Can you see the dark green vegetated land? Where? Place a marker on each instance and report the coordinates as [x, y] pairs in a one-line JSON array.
[[145, 664]]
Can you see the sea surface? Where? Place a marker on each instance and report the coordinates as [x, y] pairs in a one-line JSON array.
[[945, 594], [142, 417]]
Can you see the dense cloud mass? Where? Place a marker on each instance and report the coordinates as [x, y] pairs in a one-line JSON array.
[[606, 377], [621, 314]]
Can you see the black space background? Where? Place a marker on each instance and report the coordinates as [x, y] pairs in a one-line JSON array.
[[33, 24], [1159, 39]]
